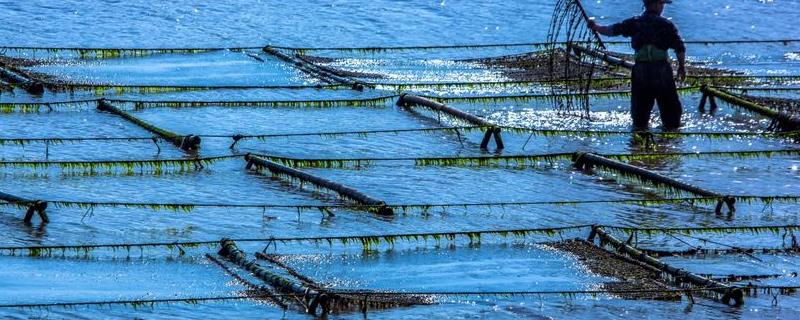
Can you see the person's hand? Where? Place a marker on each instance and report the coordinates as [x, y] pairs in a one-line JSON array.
[[592, 25], [682, 73]]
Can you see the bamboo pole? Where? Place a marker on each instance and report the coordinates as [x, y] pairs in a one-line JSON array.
[[493, 130], [332, 73], [291, 271], [586, 19], [602, 55], [10, 75], [585, 161], [312, 69], [187, 143], [34, 206], [728, 292], [344, 190], [309, 298], [787, 120], [297, 64]]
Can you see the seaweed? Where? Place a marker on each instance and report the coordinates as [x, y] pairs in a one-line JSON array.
[[120, 166], [369, 102]]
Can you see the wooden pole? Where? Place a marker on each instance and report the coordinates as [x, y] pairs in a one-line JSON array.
[[274, 260], [602, 56], [702, 106], [788, 121], [187, 143], [729, 293], [313, 70], [10, 75], [308, 297], [586, 18], [585, 160], [410, 99], [355, 85], [344, 190], [34, 206]]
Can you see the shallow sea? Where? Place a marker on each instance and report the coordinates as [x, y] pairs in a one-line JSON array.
[[497, 264]]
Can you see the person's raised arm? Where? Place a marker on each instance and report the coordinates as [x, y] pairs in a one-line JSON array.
[[604, 30]]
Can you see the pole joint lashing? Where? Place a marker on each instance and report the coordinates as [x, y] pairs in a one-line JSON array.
[[190, 143], [236, 139]]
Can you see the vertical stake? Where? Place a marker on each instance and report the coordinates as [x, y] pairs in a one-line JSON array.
[[486, 137], [498, 140], [702, 106]]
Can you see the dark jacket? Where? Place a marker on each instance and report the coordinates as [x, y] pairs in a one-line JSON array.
[[650, 28]]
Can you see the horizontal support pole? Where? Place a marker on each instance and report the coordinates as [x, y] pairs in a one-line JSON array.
[[787, 120], [30, 85], [728, 292], [186, 143], [612, 60], [298, 64], [321, 182], [410, 99], [330, 73], [585, 160], [312, 69]]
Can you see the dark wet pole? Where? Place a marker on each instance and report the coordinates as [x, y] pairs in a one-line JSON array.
[[188, 143], [786, 120], [34, 206], [585, 161], [492, 130], [379, 206]]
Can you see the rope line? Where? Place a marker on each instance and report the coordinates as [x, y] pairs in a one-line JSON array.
[[511, 160], [419, 161], [376, 48], [188, 207], [129, 166], [370, 240], [541, 132], [251, 296], [363, 239]]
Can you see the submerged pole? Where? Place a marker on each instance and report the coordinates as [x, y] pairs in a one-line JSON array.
[[585, 161], [380, 206], [492, 130], [34, 206], [187, 143], [786, 120], [729, 293]]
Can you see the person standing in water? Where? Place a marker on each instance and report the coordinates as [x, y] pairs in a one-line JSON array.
[[651, 78]]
